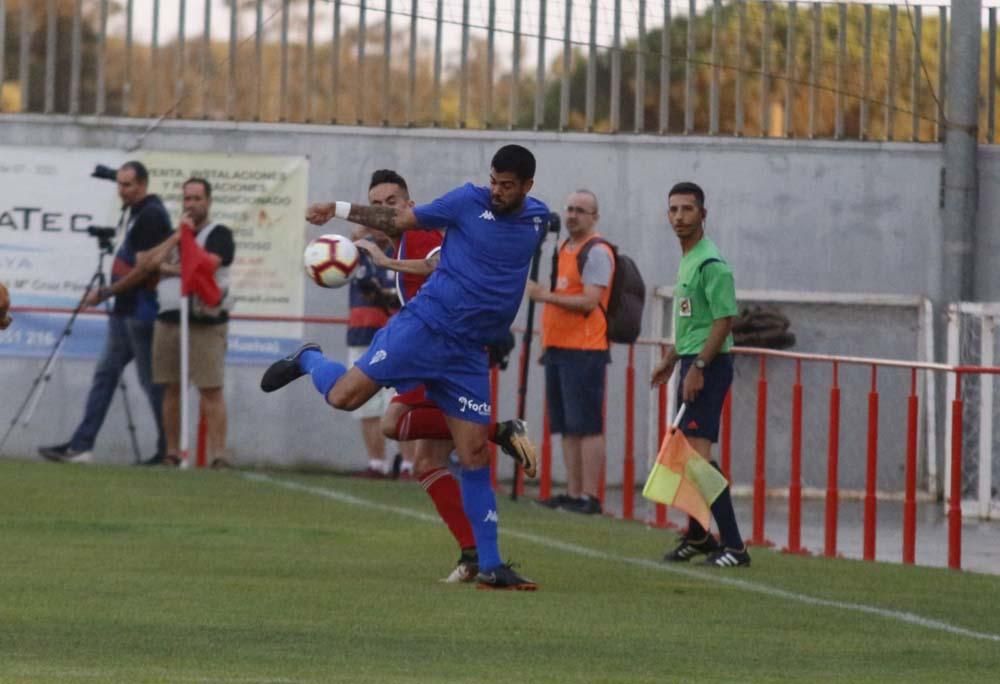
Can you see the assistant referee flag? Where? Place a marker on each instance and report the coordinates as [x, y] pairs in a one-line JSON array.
[[681, 478]]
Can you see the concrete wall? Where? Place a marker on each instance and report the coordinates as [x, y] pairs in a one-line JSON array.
[[789, 215]]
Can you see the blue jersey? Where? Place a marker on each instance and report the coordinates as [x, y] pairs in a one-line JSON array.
[[476, 290]]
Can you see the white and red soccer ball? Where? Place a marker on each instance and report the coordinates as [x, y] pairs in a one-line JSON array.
[[330, 260]]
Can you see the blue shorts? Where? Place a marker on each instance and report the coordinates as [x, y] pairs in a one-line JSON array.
[[406, 353], [574, 390], [702, 417]]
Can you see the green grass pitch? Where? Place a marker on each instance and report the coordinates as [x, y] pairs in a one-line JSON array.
[[136, 575]]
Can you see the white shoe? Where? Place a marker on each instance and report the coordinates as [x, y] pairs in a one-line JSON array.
[[463, 572], [82, 457]]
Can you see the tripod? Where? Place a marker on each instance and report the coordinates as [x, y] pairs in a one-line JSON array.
[[30, 403]]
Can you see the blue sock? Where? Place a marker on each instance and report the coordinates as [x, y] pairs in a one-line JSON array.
[[324, 372], [480, 504], [310, 358]]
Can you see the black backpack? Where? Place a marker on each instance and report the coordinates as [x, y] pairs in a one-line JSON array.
[[628, 293]]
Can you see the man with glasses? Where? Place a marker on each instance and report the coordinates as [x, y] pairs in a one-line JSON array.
[[575, 344]]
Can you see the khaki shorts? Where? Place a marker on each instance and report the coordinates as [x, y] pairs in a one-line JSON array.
[[207, 357], [376, 406]]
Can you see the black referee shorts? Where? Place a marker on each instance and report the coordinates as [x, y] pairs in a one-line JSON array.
[[703, 415]]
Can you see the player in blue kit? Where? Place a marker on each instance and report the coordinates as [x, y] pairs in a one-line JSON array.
[[439, 339]]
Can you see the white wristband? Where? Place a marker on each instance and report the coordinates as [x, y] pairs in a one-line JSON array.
[[342, 209]]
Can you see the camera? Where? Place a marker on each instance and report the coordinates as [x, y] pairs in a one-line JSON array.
[[554, 222], [101, 232], [105, 173], [105, 237]]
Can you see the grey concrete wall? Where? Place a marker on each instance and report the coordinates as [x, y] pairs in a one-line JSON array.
[[988, 230], [789, 215]]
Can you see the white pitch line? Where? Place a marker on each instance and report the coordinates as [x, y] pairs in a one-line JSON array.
[[105, 675], [707, 576]]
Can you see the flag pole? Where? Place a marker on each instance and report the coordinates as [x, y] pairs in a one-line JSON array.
[[676, 424], [680, 415], [185, 428]]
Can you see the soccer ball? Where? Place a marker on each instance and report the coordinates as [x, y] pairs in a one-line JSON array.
[[330, 260]]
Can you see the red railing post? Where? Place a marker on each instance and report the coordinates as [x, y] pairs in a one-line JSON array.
[[795, 471], [955, 499], [661, 431], [545, 478], [759, 477], [910, 497], [727, 435], [604, 421], [871, 474], [201, 459], [832, 458], [494, 400], [628, 464]]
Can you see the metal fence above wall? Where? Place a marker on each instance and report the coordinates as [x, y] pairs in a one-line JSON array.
[[745, 68]]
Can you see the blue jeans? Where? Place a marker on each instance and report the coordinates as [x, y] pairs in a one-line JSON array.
[[127, 339]]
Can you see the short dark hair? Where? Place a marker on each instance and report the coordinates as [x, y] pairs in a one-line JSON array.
[[515, 159], [204, 183], [388, 176], [688, 188], [591, 195], [141, 173]]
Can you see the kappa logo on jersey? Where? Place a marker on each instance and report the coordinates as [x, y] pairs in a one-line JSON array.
[[488, 215], [482, 408], [492, 517], [379, 356]]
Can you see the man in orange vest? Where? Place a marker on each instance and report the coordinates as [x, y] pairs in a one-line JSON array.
[[575, 345]]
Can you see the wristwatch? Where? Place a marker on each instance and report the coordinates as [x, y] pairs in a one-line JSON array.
[[699, 364]]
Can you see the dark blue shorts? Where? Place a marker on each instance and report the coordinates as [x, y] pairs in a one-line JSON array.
[[574, 390], [702, 417]]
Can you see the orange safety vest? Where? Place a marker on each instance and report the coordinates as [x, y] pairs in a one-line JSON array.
[[567, 329]]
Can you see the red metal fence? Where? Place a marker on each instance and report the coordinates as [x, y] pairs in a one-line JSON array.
[[759, 481]]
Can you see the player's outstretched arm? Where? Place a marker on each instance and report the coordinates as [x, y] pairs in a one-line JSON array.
[[392, 221], [420, 267]]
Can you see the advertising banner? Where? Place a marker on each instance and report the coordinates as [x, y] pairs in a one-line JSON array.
[[48, 200]]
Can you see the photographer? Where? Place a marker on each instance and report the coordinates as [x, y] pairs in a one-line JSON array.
[[145, 223]]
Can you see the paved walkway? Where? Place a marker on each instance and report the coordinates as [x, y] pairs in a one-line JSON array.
[[980, 540]]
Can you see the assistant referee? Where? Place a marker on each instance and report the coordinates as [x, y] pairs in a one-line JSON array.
[[704, 307]]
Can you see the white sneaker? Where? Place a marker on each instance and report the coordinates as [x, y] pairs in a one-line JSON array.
[[81, 457], [463, 572]]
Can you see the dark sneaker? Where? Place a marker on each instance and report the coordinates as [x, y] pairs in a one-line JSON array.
[[688, 549], [283, 371], [585, 505], [63, 453], [503, 577], [557, 501], [729, 558], [512, 437]]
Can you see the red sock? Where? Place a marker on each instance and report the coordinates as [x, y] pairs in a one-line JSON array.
[[444, 492], [422, 423]]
